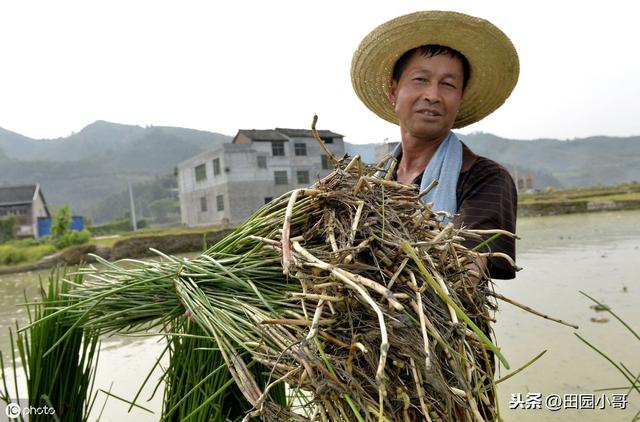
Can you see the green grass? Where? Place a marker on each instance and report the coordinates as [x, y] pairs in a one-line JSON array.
[[14, 253], [25, 251], [634, 196]]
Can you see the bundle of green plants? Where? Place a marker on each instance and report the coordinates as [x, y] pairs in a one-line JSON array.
[[351, 292], [57, 355], [197, 383]]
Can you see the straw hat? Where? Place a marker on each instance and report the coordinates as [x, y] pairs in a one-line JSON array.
[[491, 55]]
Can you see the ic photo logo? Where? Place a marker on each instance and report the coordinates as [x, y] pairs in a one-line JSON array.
[[14, 410]]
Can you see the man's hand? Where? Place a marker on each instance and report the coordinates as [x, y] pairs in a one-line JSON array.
[[477, 270]]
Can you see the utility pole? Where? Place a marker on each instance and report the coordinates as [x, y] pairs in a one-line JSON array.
[[133, 209]]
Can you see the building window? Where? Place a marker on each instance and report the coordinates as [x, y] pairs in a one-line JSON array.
[[201, 173], [326, 163], [277, 148], [203, 204], [280, 177], [303, 177], [327, 140], [262, 162], [216, 166], [220, 202], [268, 199], [300, 149]]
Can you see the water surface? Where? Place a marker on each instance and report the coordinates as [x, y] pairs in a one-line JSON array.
[[562, 255]]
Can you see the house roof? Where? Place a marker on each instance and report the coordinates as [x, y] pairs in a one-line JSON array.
[[17, 194], [283, 134], [263, 135], [20, 195], [306, 133]]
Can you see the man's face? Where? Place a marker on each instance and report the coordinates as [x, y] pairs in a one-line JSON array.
[[427, 96]]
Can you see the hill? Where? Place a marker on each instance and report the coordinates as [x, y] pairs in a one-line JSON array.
[[599, 160], [91, 169], [99, 161]]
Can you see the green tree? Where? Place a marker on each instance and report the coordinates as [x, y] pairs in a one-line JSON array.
[[61, 222]]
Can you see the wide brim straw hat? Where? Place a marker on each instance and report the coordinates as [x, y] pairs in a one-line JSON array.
[[492, 58]]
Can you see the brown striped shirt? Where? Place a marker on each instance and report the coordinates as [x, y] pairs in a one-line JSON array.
[[487, 199]]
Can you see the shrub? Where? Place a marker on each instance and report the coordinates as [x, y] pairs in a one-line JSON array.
[[12, 254], [34, 253], [7, 229], [61, 222], [71, 238]]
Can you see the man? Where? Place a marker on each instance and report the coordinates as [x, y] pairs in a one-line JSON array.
[[430, 72]]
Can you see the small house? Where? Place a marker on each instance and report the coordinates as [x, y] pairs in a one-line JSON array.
[[26, 203]]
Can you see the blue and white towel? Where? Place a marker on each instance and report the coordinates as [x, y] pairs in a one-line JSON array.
[[444, 167]]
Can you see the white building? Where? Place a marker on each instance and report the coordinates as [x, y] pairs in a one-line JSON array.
[[228, 184]]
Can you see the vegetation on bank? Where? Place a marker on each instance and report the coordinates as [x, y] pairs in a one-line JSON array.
[[13, 252], [117, 226], [580, 200], [17, 251], [27, 255], [624, 192]]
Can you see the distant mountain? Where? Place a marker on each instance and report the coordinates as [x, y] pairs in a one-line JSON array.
[[105, 139], [580, 162], [16, 143], [98, 161], [93, 167]]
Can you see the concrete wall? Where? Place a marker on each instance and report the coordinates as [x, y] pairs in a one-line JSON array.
[[38, 210], [190, 191]]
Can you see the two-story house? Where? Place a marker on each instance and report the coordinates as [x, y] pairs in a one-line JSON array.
[[228, 184]]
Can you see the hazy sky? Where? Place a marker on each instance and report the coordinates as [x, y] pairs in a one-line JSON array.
[[222, 65]]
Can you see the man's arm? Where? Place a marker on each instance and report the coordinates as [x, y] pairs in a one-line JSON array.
[[487, 199]]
